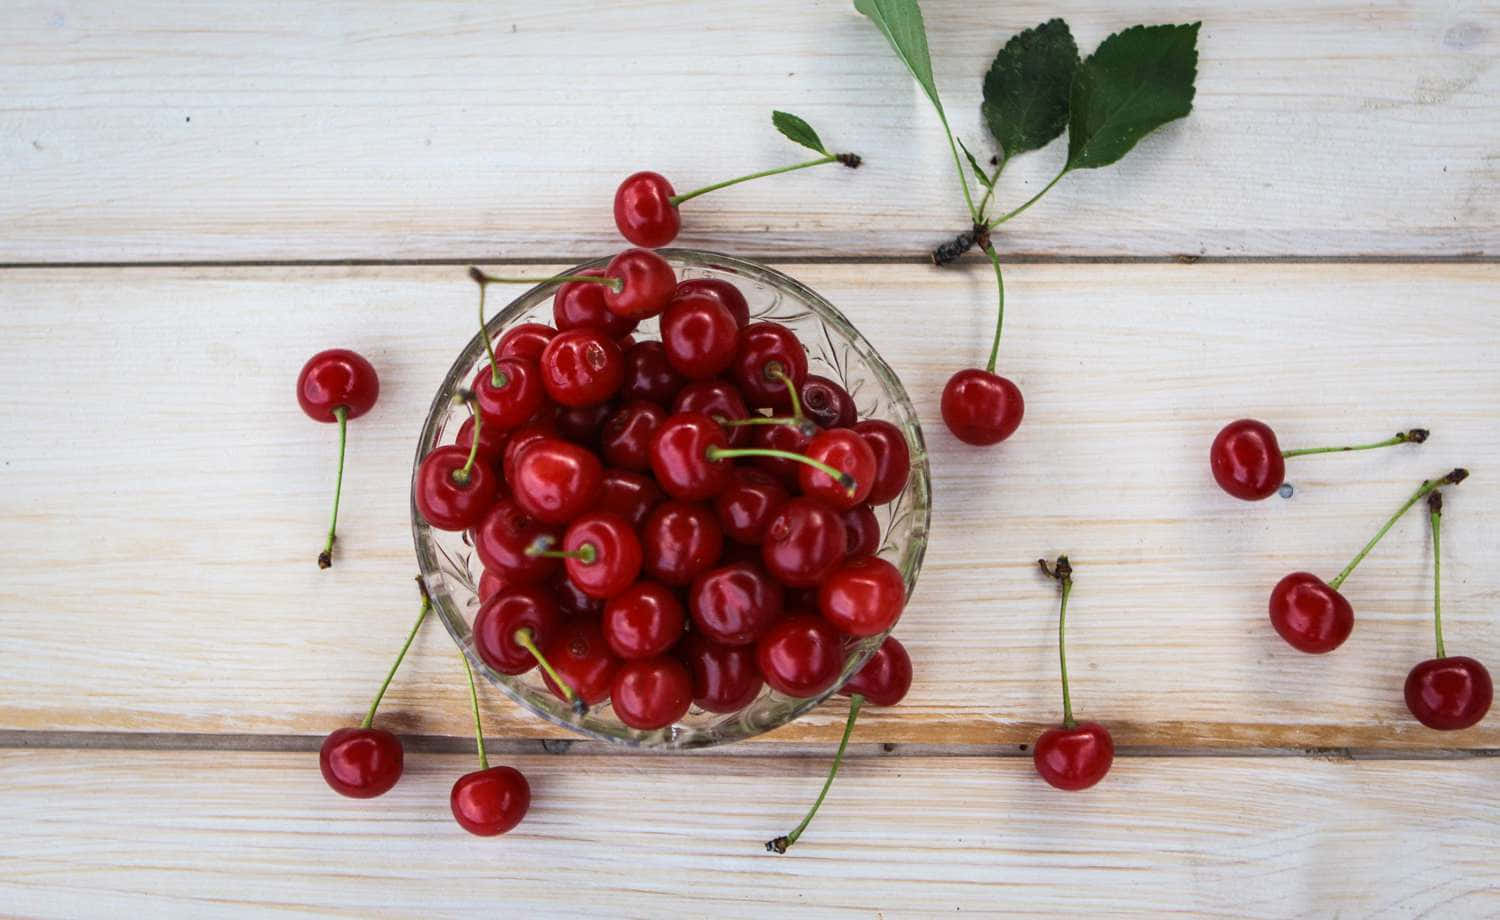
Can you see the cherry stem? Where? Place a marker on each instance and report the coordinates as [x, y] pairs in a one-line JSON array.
[[782, 844], [1435, 514], [542, 546], [1063, 572], [526, 639], [848, 159], [1030, 201], [775, 372], [484, 761], [839, 476], [421, 615], [801, 423], [461, 475], [1414, 436], [497, 379], [1453, 478], [989, 190], [325, 558], [483, 278], [989, 250]]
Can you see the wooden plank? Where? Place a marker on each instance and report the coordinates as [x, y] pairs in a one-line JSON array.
[[218, 835], [473, 129]]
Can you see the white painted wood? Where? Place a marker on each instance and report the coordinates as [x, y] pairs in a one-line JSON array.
[[466, 128], [164, 498]]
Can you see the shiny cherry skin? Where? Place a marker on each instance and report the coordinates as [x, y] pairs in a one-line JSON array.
[[626, 438], [556, 481], [981, 408], [1450, 693], [861, 531], [361, 762], [719, 400], [885, 678], [490, 584], [725, 678], [723, 291], [583, 424], [846, 451], [652, 693], [699, 335], [746, 505], [793, 438], [491, 440], [490, 802], [540, 428], [803, 543], [735, 604], [679, 457], [582, 367], [571, 601], [680, 540], [648, 284], [1074, 758], [649, 376], [446, 503], [333, 378], [582, 657], [827, 403], [580, 304], [525, 341], [643, 621], [630, 495], [505, 614], [892, 459], [800, 655], [1311, 616], [764, 349], [1246, 460], [512, 402], [863, 597], [502, 538], [644, 212], [613, 551]]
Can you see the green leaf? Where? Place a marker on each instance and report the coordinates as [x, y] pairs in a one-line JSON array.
[[901, 22], [979, 172], [798, 131], [1026, 90], [1135, 82]]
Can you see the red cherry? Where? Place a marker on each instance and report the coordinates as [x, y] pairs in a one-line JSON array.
[[892, 459], [580, 304], [1247, 461], [719, 400], [745, 507], [503, 616], [582, 367], [490, 802], [528, 434], [603, 554], [492, 440], [652, 693], [1311, 616], [626, 438], [630, 495], [1074, 758], [490, 584], [644, 211], [337, 378], [1449, 693], [361, 762], [804, 542], [582, 657], [582, 424], [699, 335], [725, 678], [885, 678], [679, 457], [800, 655], [556, 481], [861, 531], [525, 341], [502, 538], [680, 540], [827, 403], [446, 502], [643, 621], [791, 438], [768, 356], [850, 454], [735, 604], [981, 408], [571, 601], [648, 375], [723, 291], [648, 283], [863, 597], [515, 399]]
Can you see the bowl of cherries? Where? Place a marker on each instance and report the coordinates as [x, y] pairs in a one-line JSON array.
[[669, 499]]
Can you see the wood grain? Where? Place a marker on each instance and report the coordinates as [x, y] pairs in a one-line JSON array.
[[464, 129], [165, 498]]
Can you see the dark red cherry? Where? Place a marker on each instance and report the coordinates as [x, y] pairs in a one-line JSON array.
[[725, 678], [800, 655], [793, 438], [735, 604], [361, 762], [582, 657], [502, 539], [652, 693], [679, 457], [1449, 693], [1246, 460], [719, 400], [849, 453], [699, 335], [885, 678], [626, 438], [648, 376], [1311, 616], [863, 597], [583, 424], [981, 408], [605, 554], [630, 495], [804, 542], [491, 440], [491, 801], [723, 291], [644, 620], [525, 341], [571, 601], [1074, 758], [556, 481], [827, 403], [768, 355], [447, 497], [892, 459], [644, 212], [333, 378], [501, 617], [528, 434], [746, 505], [580, 304], [648, 283], [680, 540], [861, 531], [514, 399], [582, 367]]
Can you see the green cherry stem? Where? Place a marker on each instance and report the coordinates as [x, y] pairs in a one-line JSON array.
[[797, 421], [325, 558], [461, 475], [1030, 201], [1414, 436], [782, 844], [1453, 478], [485, 280], [776, 372], [1063, 572], [379, 694], [989, 190], [526, 639], [989, 250], [1435, 515], [484, 761], [850, 160], [837, 475], [542, 546]]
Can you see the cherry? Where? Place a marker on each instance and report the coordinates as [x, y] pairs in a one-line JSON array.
[[601, 554], [579, 304], [644, 620], [490, 584], [492, 440], [491, 800], [509, 392], [571, 600], [630, 495], [502, 539], [1079, 754], [582, 367], [528, 434], [804, 542], [981, 407], [800, 655], [646, 284], [847, 453], [1248, 463], [584, 660], [526, 341], [863, 597], [451, 490], [556, 481], [861, 531], [510, 627], [651, 693], [725, 678], [626, 438], [769, 365], [789, 438], [883, 681], [746, 505], [648, 374], [735, 604], [892, 459], [719, 400], [583, 424], [699, 335], [680, 540], [827, 403], [335, 386], [723, 291], [644, 210], [680, 456]]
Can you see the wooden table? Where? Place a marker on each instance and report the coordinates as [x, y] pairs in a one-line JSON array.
[[195, 197]]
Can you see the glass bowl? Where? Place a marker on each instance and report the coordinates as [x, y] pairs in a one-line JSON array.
[[836, 350]]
